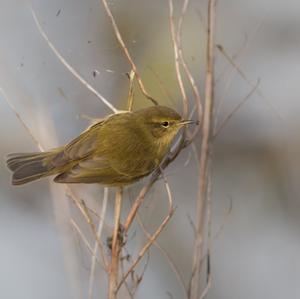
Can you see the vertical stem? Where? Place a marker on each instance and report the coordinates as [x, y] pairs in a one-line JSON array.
[[204, 152], [131, 92], [115, 248]]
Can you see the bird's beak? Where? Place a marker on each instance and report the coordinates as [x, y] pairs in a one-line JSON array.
[[186, 122]]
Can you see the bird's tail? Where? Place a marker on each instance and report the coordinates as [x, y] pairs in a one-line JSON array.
[[28, 167]]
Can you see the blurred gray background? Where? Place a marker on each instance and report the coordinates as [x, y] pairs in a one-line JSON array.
[[255, 157]]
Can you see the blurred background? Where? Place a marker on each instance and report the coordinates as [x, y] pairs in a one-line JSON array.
[[255, 247]]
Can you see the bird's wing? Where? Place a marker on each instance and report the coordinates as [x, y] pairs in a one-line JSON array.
[[92, 169], [85, 144]]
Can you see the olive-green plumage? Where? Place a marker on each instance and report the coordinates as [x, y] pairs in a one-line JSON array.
[[116, 151]]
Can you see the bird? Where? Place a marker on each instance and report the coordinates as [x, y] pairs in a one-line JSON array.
[[116, 151]]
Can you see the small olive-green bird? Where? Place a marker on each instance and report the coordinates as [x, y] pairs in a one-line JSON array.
[[116, 151]]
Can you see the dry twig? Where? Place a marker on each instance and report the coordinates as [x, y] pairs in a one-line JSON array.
[[204, 153], [66, 243], [188, 73], [152, 238], [165, 254], [115, 248], [248, 81], [83, 238], [126, 52], [176, 57], [68, 66], [236, 109], [95, 249]]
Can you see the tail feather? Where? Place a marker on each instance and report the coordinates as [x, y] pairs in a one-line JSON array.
[[30, 167]]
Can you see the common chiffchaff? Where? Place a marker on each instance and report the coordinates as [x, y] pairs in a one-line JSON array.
[[116, 151]]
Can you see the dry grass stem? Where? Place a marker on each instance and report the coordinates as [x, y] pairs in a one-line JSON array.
[[152, 238], [236, 109], [242, 51], [204, 152], [162, 85], [137, 203], [174, 36], [147, 245], [188, 73], [115, 248], [165, 254], [67, 244], [126, 52], [69, 67], [95, 249], [249, 82], [27, 129], [80, 204], [83, 238], [131, 76]]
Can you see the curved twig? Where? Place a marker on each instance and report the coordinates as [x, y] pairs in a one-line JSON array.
[[69, 67], [127, 54], [95, 249]]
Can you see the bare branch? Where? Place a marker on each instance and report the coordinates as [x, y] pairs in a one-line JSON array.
[[137, 203], [126, 52], [185, 66], [95, 249], [115, 248], [151, 239], [242, 74], [204, 153], [236, 109], [162, 85], [67, 244], [69, 67], [80, 204], [243, 49], [83, 238], [25, 126], [165, 254], [231, 75], [148, 245], [176, 57], [131, 76]]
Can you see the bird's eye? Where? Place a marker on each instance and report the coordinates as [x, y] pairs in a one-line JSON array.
[[165, 124]]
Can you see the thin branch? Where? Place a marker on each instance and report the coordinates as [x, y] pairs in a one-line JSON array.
[[242, 74], [115, 248], [204, 153], [69, 67], [130, 293], [188, 73], [208, 286], [176, 57], [140, 277], [138, 202], [162, 85], [243, 49], [209, 238], [165, 254], [95, 249], [126, 52], [228, 213], [148, 245], [131, 76], [80, 204], [236, 109], [69, 264], [151, 239], [83, 238], [25, 126], [228, 67]]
